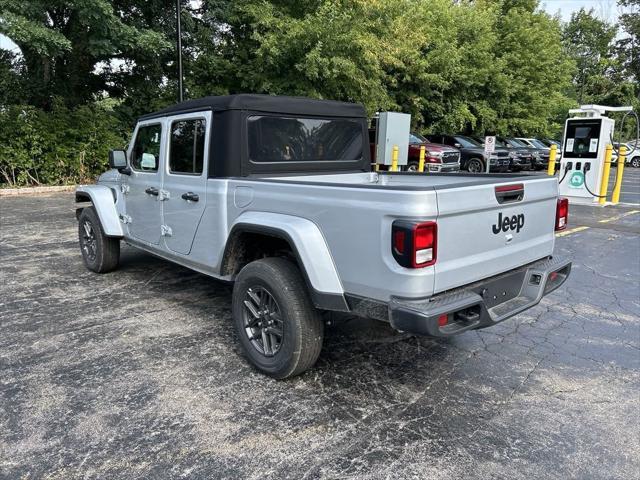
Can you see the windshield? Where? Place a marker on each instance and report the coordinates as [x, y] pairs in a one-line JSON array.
[[537, 143], [467, 142], [517, 143], [416, 138]]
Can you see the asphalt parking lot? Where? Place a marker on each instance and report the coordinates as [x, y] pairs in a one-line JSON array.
[[136, 374]]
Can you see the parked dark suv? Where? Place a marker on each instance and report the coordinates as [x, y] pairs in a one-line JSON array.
[[472, 153], [540, 156], [519, 158]]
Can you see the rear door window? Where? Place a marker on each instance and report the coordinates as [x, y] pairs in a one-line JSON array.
[[186, 146]]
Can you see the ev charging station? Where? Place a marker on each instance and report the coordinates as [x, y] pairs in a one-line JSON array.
[[586, 136]]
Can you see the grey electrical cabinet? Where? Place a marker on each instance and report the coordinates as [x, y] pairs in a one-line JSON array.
[[392, 129]]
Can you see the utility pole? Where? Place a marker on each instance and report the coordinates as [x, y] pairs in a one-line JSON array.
[[179, 47]]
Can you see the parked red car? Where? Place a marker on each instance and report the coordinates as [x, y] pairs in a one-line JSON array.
[[438, 158]]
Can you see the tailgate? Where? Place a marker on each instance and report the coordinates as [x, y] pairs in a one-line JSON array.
[[479, 237]]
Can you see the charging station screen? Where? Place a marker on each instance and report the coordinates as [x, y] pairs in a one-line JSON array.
[[582, 138]]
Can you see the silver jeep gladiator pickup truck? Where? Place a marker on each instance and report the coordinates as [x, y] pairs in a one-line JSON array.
[[276, 195]]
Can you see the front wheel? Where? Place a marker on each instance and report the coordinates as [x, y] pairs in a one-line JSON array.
[[475, 166], [280, 330], [412, 167], [101, 254]]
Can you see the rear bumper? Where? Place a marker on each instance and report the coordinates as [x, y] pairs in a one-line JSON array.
[[481, 304]]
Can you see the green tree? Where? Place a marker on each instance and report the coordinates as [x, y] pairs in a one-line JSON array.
[[322, 49], [538, 72], [629, 45], [589, 41], [11, 85], [68, 45], [628, 51]]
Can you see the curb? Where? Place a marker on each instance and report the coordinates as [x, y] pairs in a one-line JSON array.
[[8, 192]]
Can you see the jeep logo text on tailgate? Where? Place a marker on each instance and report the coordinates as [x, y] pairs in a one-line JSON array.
[[515, 222]]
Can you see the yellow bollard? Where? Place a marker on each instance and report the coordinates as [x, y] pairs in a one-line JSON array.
[[394, 159], [622, 157], [421, 161], [604, 182], [551, 168]]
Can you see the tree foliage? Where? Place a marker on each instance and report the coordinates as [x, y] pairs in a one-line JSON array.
[[604, 58], [61, 146], [454, 66], [474, 66], [63, 43]]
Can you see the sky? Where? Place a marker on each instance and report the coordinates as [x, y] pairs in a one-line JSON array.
[[605, 9]]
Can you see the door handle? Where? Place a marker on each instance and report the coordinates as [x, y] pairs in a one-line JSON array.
[[152, 191], [190, 197]]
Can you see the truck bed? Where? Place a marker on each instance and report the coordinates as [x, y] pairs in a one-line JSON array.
[[355, 211]]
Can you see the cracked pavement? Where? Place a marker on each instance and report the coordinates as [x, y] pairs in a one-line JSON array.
[[136, 374]]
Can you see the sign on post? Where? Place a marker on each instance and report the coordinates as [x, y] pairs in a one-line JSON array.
[[489, 148]]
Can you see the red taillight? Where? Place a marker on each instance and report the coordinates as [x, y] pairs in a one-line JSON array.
[[424, 244], [414, 245], [562, 213]]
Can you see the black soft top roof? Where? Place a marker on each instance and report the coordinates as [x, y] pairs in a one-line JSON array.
[[265, 103]]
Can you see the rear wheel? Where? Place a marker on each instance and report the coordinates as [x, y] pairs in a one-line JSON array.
[[100, 253], [280, 330], [475, 165], [635, 162]]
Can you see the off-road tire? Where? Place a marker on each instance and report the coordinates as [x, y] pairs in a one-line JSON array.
[[478, 165], [302, 325], [106, 255]]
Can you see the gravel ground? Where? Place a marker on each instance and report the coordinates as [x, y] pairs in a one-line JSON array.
[[136, 374]]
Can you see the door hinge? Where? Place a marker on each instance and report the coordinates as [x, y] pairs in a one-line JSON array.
[[164, 195], [125, 219], [124, 189], [165, 230]]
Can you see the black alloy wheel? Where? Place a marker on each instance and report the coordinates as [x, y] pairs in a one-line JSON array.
[[263, 323], [88, 241]]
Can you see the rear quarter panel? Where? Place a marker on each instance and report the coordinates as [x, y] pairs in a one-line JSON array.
[[356, 225]]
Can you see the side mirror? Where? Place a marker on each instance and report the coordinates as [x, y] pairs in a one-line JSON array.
[[117, 159], [457, 145]]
